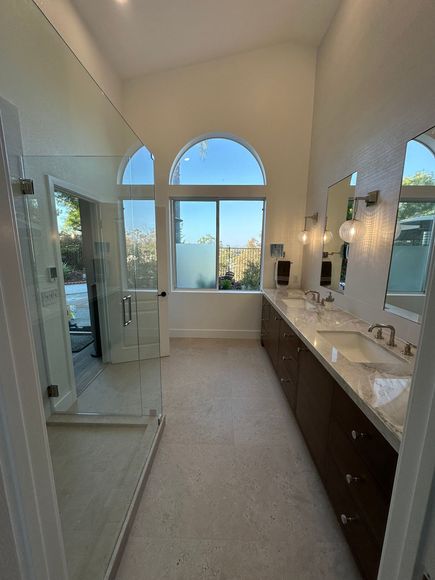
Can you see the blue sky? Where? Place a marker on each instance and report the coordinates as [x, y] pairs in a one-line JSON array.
[[139, 169], [139, 214], [239, 221], [219, 162], [418, 158]]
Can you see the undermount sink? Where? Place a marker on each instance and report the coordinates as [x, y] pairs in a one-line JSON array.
[[358, 348], [294, 302]]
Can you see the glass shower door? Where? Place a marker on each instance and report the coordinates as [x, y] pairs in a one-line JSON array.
[[95, 272]]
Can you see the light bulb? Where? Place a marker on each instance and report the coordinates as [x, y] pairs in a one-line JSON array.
[[350, 230], [327, 236], [304, 237]]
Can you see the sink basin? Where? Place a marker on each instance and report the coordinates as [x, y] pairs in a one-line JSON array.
[[294, 302], [358, 348]]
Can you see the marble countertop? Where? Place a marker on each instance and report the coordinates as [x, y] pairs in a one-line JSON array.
[[380, 390]]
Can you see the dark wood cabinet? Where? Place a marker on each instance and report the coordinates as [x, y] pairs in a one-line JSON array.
[[313, 410], [356, 463], [270, 332]]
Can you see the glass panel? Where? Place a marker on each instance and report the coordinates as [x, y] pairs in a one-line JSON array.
[[217, 161], [413, 239], [100, 429], [240, 243], [139, 169], [335, 250], [195, 243]]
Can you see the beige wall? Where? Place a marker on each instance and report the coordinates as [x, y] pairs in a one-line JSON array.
[[265, 97], [64, 17], [375, 90]]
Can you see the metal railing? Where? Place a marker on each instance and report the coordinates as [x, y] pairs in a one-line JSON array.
[[238, 261]]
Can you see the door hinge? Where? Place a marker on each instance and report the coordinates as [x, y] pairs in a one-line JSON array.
[[27, 186], [53, 390]]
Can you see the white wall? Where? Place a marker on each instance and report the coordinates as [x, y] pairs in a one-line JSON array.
[[265, 97], [63, 16], [375, 89]]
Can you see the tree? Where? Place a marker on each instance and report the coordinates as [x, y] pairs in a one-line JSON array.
[[207, 239], [421, 177], [69, 204]]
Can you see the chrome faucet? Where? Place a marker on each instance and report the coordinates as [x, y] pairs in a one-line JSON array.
[[379, 326], [315, 295]]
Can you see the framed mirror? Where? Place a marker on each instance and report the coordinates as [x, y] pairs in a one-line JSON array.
[[340, 205], [414, 234]]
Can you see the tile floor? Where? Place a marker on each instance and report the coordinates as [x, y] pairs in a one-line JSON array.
[[233, 493], [96, 470], [131, 388]]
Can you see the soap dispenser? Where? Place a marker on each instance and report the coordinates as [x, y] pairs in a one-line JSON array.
[[328, 301]]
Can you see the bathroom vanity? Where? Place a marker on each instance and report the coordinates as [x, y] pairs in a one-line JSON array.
[[349, 394]]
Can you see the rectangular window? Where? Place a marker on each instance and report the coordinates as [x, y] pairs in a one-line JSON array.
[[217, 244]]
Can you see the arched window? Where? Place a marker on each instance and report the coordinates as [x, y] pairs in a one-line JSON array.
[[217, 160], [139, 169]]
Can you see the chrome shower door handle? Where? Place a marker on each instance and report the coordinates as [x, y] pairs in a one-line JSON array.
[[126, 299]]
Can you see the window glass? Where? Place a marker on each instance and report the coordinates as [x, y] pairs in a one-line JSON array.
[[224, 257], [139, 169], [240, 234], [140, 243], [195, 243], [217, 161]]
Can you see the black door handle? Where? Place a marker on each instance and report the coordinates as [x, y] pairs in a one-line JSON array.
[[162, 294]]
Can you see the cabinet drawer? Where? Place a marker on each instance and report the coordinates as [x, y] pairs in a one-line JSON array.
[[361, 485], [287, 383], [380, 457], [365, 549]]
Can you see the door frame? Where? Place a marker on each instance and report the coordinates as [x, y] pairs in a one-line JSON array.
[[24, 450], [54, 183], [411, 496]]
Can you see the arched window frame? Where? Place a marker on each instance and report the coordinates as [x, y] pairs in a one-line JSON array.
[[131, 152], [209, 136]]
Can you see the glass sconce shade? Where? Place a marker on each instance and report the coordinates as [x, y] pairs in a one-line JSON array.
[[327, 236], [304, 237], [351, 230]]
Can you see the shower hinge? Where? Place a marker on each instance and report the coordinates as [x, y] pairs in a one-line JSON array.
[[27, 186], [159, 420], [53, 390]]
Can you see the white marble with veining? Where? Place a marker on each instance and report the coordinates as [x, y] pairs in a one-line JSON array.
[[380, 390]]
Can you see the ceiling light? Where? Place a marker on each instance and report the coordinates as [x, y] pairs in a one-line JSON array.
[[121, 1]]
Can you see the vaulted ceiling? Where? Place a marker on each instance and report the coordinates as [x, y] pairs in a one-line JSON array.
[[144, 36]]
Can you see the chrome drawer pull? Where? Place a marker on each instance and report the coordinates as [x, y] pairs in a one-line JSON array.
[[286, 357], [284, 380], [301, 349], [357, 434], [286, 335], [345, 520], [277, 318], [352, 478]]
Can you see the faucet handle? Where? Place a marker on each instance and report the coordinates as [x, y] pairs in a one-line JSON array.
[[407, 349]]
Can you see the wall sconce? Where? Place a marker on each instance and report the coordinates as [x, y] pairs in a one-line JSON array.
[[352, 229], [304, 236], [327, 234]]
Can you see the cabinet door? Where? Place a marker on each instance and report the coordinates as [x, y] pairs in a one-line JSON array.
[[288, 362], [313, 407], [270, 321]]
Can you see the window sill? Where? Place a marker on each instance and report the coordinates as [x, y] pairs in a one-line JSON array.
[[212, 291]]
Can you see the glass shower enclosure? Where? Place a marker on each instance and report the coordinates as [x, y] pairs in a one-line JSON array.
[[88, 242]]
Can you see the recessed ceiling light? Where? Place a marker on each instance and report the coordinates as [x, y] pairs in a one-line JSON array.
[[121, 1]]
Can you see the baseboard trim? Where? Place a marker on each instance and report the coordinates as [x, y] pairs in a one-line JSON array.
[[115, 560], [213, 333]]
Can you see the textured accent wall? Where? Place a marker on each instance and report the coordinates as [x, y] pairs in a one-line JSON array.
[[375, 89]]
